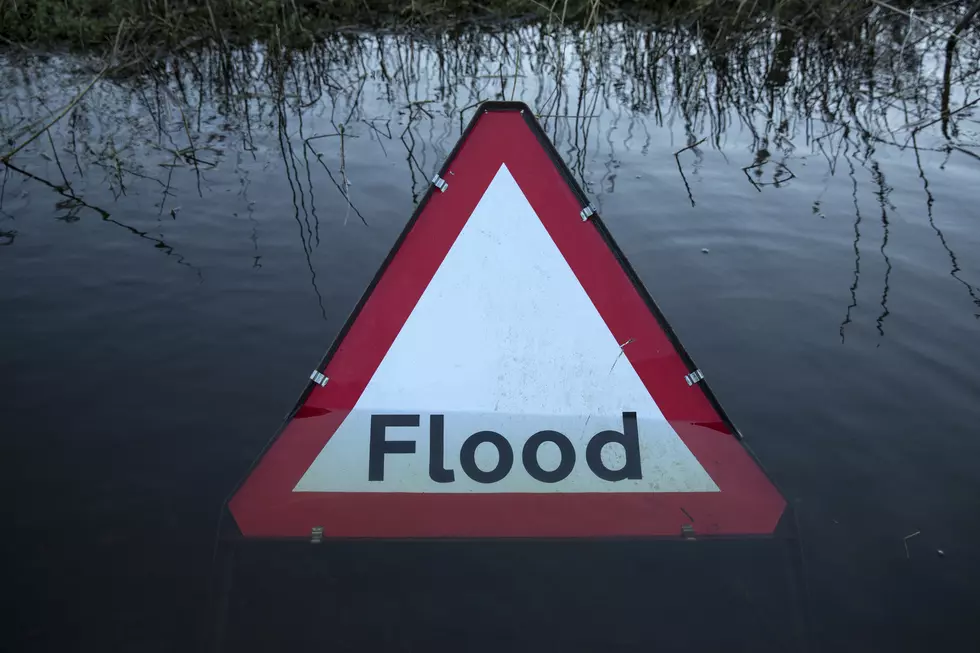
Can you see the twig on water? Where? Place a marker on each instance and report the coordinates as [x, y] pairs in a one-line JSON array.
[[689, 147], [905, 541], [343, 192], [78, 98], [370, 123], [463, 111], [680, 169], [61, 114]]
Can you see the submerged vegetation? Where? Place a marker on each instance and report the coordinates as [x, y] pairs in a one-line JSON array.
[[720, 62], [176, 94], [850, 63], [136, 36]]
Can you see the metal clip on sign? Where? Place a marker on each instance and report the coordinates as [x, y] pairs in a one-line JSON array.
[[319, 379], [694, 377]]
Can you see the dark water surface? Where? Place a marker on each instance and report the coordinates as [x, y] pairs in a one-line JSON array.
[[161, 314]]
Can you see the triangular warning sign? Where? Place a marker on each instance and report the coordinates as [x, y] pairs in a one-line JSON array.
[[506, 375]]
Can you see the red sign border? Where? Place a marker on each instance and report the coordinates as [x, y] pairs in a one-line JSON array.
[[751, 504]]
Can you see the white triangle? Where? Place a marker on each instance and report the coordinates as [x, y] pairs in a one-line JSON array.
[[505, 339]]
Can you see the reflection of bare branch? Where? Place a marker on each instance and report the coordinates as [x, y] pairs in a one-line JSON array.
[[857, 249], [860, 90], [3, 186], [309, 183], [882, 194], [73, 202], [955, 267], [64, 191]]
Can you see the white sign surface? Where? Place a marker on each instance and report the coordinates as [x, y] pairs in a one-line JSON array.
[[505, 339]]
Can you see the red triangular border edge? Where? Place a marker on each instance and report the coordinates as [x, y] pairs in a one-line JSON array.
[[264, 505]]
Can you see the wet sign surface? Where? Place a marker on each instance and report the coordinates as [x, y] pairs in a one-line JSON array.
[[506, 375]]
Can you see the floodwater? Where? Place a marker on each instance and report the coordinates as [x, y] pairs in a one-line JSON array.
[[177, 253]]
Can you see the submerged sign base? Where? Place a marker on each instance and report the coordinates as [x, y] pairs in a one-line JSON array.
[[506, 375]]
